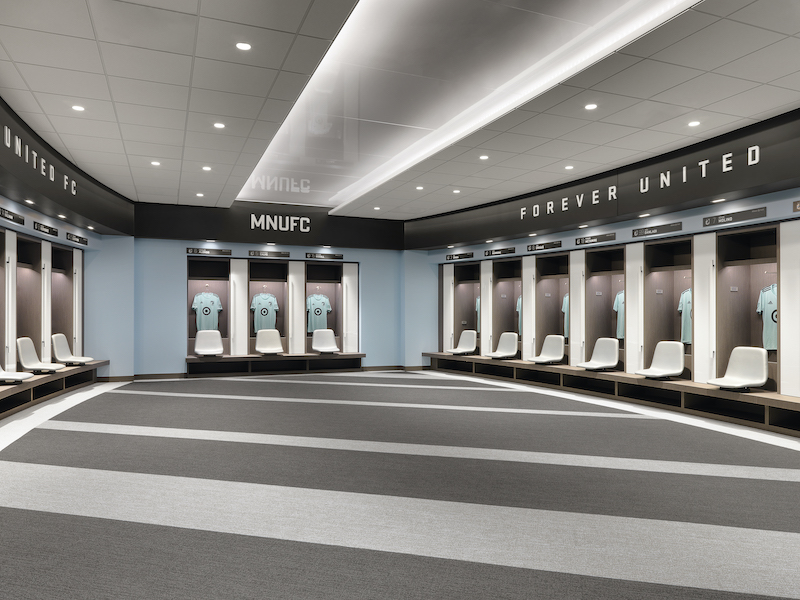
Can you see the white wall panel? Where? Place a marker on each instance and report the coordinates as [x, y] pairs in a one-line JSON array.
[[528, 332], [704, 306], [634, 307], [77, 302], [47, 302], [448, 306], [297, 308], [350, 307], [487, 342], [789, 307], [11, 301], [577, 301], [239, 319]]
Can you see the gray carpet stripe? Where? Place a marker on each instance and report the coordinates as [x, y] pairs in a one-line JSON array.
[[490, 409], [390, 385], [567, 460], [661, 552]]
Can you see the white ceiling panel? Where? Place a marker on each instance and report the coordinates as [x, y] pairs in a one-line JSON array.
[[145, 162], [218, 39], [100, 158], [90, 127], [149, 93], [707, 119], [717, 44], [67, 17], [189, 166], [3, 54], [647, 78], [646, 113], [60, 81], [36, 121], [153, 151], [143, 26], [704, 90], [82, 142], [225, 104], [136, 114], [120, 173], [51, 50], [305, 54], [264, 130], [509, 121], [773, 62], [155, 176], [756, 101], [722, 8], [204, 123], [606, 155], [20, 100], [187, 6], [230, 143], [455, 168], [275, 110], [668, 34], [254, 146], [288, 86], [782, 16], [232, 77], [607, 104], [10, 77], [159, 199], [598, 133], [201, 178], [549, 126], [150, 65], [560, 149], [211, 156], [286, 15], [513, 142], [498, 172], [602, 70], [645, 140], [151, 135], [57, 105], [473, 155], [528, 162]]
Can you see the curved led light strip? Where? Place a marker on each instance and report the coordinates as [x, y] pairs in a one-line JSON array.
[[615, 31]]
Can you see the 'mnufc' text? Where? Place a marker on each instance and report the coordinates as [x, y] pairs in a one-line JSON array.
[[665, 178], [280, 223], [35, 160], [281, 184]]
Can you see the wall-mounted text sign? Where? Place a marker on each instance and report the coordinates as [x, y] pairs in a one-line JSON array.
[[461, 256], [658, 229], [595, 239], [12, 216], [499, 251], [209, 251], [545, 246], [745, 215], [77, 239], [318, 256], [45, 229], [268, 254]]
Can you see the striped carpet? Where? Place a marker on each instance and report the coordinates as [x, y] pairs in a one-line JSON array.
[[389, 485]]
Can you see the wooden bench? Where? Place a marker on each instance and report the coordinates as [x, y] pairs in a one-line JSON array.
[[252, 364]]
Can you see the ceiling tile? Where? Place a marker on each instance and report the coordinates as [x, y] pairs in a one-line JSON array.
[[10, 77], [100, 158], [200, 178], [288, 86], [326, 17], [756, 101], [551, 98], [151, 135], [186, 6], [211, 156], [455, 168], [204, 123], [548, 126], [473, 156], [36, 121], [782, 16], [646, 140], [82, 142], [143, 26], [217, 40], [148, 93], [189, 166], [647, 78], [775, 61], [264, 130], [607, 104], [150, 65], [105, 172], [528, 162], [159, 190], [721, 8], [67, 17], [513, 142], [90, 127], [285, 15], [717, 44], [57, 105], [305, 54], [598, 133], [152, 176], [602, 70], [69, 83], [229, 143], [275, 110], [225, 104], [51, 50], [497, 172], [685, 24], [646, 113], [20, 100], [153, 151], [560, 149], [3, 54], [703, 90], [508, 121], [158, 199], [136, 114], [606, 155], [790, 81], [231, 77], [708, 120], [477, 138]]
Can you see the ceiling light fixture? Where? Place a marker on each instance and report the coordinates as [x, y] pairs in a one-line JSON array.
[[377, 208], [62, 216], [484, 157], [582, 226], [324, 246], [644, 215], [270, 243], [489, 241], [206, 168], [694, 123], [627, 24], [456, 191], [451, 246], [29, 201], [211, 241], [90, 228], [419, 187], [590, 106], [219, 125], [199, 195], [243, 46], [531, 235], [155, 163], [569, 167], [718, 200], [78, 108]]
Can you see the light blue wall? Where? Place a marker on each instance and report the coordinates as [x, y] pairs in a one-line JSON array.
[[420, 323], [109, 305]]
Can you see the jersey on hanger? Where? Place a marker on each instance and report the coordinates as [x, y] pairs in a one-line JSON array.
[[264, 307], [619, 308], [685, 310], [565, 310], [318, 307], [767, 307], [207, 307]]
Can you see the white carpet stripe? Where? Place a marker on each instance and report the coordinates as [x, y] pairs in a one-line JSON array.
[[492, 409], [682, 554], [568, 460], [390, 385]]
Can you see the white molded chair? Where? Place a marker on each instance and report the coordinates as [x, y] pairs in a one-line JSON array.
[[747, 367], [6, 377], [604, 356], [667, 361], [208, 343], [268, 341], [506, 346], [29, 359], [552, 350], [324, 340], [467, 342], [63, 354]]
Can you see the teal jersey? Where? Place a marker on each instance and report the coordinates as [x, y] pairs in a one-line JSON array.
[[685, 310], [565, 310], [519, 313], [478, 310], [265, 308], [207, 307], [768, 309], [619, 308], [318, 307]]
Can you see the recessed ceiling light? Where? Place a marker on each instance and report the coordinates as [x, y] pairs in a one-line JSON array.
[[531, 235], [325, 246], [62, 216], [582, 226], [419, 187], [155, 163], [90, 227], [569, 167], [484, 157], [270, 243], [644, 215], [694, 123], [199, 195], [78, 108], [718, 200], [590, 106], [29, 201], [219, 125], [489, 241], [376, 208], [456, 191], [451, 246], [206, 168], [243, 46], [211, 241]]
